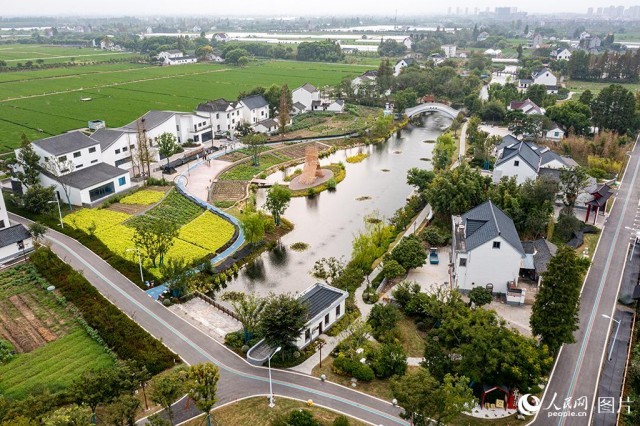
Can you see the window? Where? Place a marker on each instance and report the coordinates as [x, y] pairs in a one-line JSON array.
[[1, 223], [218, 127], [124, 149], [326, 320], [117, 151], [496, 244], [556, 134], [94, 161], [262, 113], [92, 150], [217, 115], [46, 158], [337, 311], [77, 154], [227, 115], [177, 128], [132, 146], [122, 180], [79, 165], [196, 138], [463, 261], [307, 335], [63, 158], [516, 163]]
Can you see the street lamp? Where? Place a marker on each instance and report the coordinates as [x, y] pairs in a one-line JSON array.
[[271, 403], [139, 262], [615, 336], [59, 212]]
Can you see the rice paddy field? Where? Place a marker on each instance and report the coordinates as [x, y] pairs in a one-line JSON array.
[[14, 53], [43, 103], [52, 349]]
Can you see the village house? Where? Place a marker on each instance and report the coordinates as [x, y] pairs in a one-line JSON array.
[[254, 108], [527, 106], [543, 77], [554, 132], [401, 64], [220, 37], [536, 41], [366, 79], [305, 95], [561, 54], [266, 126], [15, 239], [482, 36], [224, 115], [407, 43], [486, 251], [72, 163], [526, 160], [537, 255], [449, 50], [183, 125]]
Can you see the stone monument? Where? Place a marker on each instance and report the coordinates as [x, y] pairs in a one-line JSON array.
[[311, 170]]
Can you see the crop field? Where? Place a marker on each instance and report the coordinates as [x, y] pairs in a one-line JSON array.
[[52, 349], [48, 102], [200, 233], [14, 53]]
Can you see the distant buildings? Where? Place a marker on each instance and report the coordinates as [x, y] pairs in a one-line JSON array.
[[176, 57], [309, 97], [401, 64], [449, 50], [543, 77]]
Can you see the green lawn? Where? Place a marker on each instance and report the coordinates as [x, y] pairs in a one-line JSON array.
[[246, 170], [48, 102], [580, 86], [26, 307]]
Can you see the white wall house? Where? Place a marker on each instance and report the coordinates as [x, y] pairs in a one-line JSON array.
[[117, 146], [544, 77], [15, 239], [407, 43], [170, 54], [561, 54], [224, 115], [527, 106], [325, 304], [401, 64], [83, 178], [220, 37], [181, 61], [184, 126], [254, 108], [449, 50], [305, 95], [335, 106], [486, 250], [266, 126], [556, 133], [365, 80]]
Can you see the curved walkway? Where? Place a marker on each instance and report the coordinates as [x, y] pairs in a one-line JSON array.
[[238, 379]]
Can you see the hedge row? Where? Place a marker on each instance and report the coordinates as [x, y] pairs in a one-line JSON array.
[[121, 334]]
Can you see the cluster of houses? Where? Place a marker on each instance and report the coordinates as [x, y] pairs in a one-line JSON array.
[[486, 237], [86, 167]]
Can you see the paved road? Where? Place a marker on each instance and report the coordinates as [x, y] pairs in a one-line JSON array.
[[238, 379], [570, 396]]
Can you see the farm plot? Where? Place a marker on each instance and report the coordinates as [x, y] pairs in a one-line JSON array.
[[53, 102], [246, 171], [200, 233], [229, 191], [52, 349]]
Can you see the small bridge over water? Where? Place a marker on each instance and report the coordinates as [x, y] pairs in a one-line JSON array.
[[431, 107]]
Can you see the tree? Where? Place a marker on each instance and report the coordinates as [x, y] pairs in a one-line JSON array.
[[284, 108], [392, 269], [123, 410], [283, 319], [155, 237], [389, 360], [59, 167], [328, 269], [37, 198], [95, 387], [203, 385], [37, 231], [409, 253], [405, 99], [249, 309], [423, 398], [233, 56], [255, 142], [359, 332], [420, 178], [28, 162], [554, 316], [167, 145], [252, 225], [277, 202], [586, 98], [537, 93], [166, 389], [384, 79], [480, 296], [457, 191], [392, 48], [571, 115], [493, 110], [203, 52], [443, 152], [572, 181], [141, 154], [296, 418], [615, 109], [73, 415]]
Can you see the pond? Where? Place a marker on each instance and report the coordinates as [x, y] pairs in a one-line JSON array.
[[329, 222]]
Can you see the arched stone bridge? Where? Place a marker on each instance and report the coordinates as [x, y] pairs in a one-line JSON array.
[[430, 107]]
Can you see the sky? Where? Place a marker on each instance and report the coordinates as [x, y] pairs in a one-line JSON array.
[[281, 7]]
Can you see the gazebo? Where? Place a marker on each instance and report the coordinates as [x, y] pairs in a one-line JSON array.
[[598, 202], [506, 399]]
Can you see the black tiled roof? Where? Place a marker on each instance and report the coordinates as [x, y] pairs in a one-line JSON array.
[[13, 234], [319, 298], [486, 222], [254, 101], [152, 119], [94, 175], [65, 143]]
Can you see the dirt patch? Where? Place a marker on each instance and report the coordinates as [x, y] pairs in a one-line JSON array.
[[20, 332], [28, 314], [228, 190], [131, 209]]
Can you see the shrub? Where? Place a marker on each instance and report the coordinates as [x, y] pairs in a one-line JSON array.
[[389, 360], [567, 224], [6, 351], [480, 296], [383, 319], [311, 192], [340, 421], [234, 340], [120, 333], [404, 292], [143, 197], [331, 184], [434, 237], [351, 367]]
